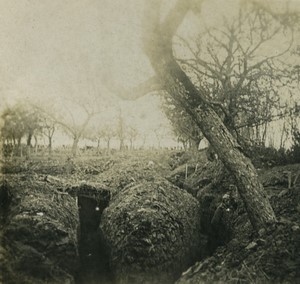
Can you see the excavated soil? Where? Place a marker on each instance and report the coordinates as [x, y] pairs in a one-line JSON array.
[[39, 232], [153, 232], [115, 219], [272, 255]]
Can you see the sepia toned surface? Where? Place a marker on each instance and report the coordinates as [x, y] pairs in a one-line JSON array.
[[178, 120]]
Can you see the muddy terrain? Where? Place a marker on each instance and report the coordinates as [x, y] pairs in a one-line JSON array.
[[142, 217]]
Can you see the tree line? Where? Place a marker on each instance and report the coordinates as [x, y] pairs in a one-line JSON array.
[[25, 124]]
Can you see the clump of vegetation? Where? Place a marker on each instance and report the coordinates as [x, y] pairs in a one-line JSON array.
[[295, 149], [263, 156]]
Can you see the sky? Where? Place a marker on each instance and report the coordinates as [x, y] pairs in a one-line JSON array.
[[55, 48], [47, 46], [52, 48]]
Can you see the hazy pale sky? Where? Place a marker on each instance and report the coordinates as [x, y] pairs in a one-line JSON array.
[[53, 48], [62, 47], [49, 47]]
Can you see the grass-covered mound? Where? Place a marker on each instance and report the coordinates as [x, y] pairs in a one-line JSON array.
[[152, 232], [39, 232]]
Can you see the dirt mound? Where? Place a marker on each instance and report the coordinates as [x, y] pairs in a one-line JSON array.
[[39, 232], [288, 175], [272, 256], [38, 165], [57, 166], [152, 231], [198, 177], [130, 170], [214, 188]]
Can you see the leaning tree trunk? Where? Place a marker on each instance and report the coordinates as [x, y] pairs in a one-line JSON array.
[[158, 47]]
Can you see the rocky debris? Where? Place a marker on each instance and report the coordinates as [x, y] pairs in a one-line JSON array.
[[152, 232], [39, 233]]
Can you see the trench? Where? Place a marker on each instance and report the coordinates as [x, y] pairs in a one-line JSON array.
[[93, 254]]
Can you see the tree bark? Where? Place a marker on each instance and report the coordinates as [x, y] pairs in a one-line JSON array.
[[98, 145], [35, 144], [131, 143], [29, 139], [50, 145], [75, 146], [19, 147], [158, 47]]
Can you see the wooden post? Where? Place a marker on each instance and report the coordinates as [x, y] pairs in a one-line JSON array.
[[186, 171]]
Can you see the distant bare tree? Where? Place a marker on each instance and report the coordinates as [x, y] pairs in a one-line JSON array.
[[132, 134], [120, 131], [49, 127], [109, 133]]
